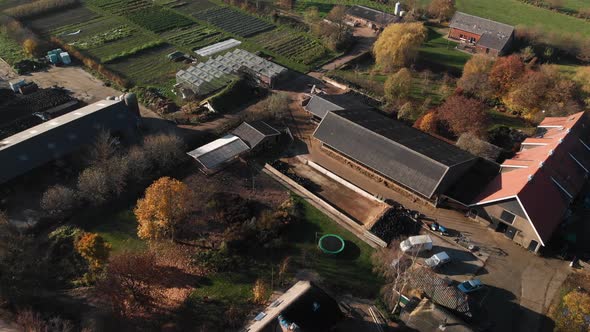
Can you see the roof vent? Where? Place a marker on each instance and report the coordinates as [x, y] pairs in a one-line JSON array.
[[541, 163], [568, 130], [551, 152], [561, 140], [530, 178]]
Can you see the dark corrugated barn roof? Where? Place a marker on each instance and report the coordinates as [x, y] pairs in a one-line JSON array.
[[372, 15], [319, 105], [493, 34], [254, 132], [398, 152]]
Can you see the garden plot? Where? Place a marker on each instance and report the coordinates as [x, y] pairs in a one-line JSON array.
[[157, 19], [108, 50], [293, 46], [188, 7], [48, 22], [234, 21], [150, 67], [121, 7], [193, 37]]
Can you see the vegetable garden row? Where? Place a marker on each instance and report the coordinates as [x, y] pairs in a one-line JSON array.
[[298, 48], [193, 37], [234, 22]]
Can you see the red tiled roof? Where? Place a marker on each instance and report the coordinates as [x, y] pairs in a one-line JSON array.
[[545, 173]]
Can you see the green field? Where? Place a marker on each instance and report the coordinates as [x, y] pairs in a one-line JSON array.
[[517, 13], [193, 37], [10, 50], [150, 67], [347, 273]]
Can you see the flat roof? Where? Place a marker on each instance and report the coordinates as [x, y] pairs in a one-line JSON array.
[[59, 121]]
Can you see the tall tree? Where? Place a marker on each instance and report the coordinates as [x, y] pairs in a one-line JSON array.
[[464, 115], [442, 10], [475, 78], [428, 123], [165, 205], [398, 86], [398, 45], [505, 72]]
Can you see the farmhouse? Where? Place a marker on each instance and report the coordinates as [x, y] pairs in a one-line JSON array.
[[481, 35], [530, 196], [214, 74], [370, 17], [65, 134], [257, 135], [319, 105], [402, 156], [304, 305]]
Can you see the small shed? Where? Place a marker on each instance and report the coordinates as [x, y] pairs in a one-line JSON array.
[[257, 134], [212, 157], [65, 58]]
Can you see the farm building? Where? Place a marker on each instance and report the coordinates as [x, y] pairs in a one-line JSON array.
[[403, 157], [65, 134], [370, 17], [480, 35], [304, 305], [319, 105], [216, 73], [213, 156], [531, 195], [258, 135]]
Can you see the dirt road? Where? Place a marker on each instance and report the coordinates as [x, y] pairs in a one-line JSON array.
[[365, 37]]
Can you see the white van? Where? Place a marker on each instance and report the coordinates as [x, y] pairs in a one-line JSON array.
[[437, 260], [416, 244]]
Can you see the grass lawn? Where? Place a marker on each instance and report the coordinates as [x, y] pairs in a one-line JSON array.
[[120, 230], [10, 50], [440, 53], [517, 13]]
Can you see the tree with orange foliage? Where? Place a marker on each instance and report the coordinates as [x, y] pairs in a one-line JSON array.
[[464, 115], [505, 72], [428, 123], [165, 205], [94, 249]]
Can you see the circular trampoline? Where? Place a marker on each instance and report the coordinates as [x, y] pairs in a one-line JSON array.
[[331, 244]]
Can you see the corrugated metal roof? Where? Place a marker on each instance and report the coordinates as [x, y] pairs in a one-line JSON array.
[[254, 132], [214, 154], [320, 105], [398, 152], [493, 34]]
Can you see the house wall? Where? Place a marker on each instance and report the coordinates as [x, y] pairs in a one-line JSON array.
[[524, 230], [458, 34]]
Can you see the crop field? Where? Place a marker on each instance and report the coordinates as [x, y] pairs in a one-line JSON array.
[[120, 7], [187, 7], [5, 4], [234, 22], [157, 19], [52, 21], [193, 37], [10, 50], [293, 46], [150, 67]]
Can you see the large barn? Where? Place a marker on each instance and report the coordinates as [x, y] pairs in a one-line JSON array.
[[481, 35], [65, 134], [398, 154]]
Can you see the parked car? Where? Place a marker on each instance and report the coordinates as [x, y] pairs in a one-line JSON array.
[[437, 260], [436, 227], [416, 244], [470, 286]]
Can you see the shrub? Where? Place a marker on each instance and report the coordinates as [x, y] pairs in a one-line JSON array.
[[93, 185], [59, 200], [164, 151]]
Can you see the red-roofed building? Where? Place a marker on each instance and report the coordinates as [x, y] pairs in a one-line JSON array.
[[530, 196]]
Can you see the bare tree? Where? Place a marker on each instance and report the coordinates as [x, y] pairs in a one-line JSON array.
[[104, 147], [59, 200]]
